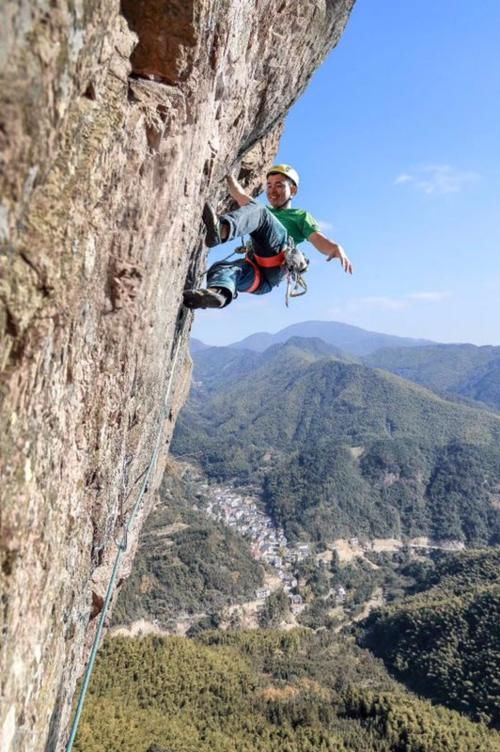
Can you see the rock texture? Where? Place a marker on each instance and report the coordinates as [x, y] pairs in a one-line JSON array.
[[116, 124]]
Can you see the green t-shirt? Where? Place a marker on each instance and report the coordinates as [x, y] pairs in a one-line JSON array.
[[299, 223]]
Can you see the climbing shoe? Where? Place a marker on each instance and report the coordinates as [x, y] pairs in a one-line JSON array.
[[212, 297], [212, 224]]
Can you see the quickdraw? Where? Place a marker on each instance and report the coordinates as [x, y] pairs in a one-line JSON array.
[[296, 264]]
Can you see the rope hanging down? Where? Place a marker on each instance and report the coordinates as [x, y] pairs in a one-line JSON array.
[[122, 547]]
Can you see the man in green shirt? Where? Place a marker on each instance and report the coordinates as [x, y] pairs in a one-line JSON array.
[[271, 228]]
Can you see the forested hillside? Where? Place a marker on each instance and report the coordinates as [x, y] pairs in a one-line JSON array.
[[186, 563], [444, 642], [464, 370], [340, 448], [260, 692]]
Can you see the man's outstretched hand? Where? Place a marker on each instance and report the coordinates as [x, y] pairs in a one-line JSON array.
[[342, 256], [330, 249]]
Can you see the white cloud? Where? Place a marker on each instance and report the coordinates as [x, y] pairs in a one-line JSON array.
[[438, 179], [431, 296], [403, 178], [326, 226], [387, 303]]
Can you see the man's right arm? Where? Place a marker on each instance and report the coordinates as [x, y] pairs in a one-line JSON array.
[[237, 191], [329, 248]]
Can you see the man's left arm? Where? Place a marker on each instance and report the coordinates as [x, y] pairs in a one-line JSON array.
[[237, 191], [329, 248]]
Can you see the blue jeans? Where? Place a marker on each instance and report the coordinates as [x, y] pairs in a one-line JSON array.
[[268, 236]]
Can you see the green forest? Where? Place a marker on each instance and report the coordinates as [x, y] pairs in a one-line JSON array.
[[398, 488], [186, 562], [261, 691], [463, 370], [444, 641]]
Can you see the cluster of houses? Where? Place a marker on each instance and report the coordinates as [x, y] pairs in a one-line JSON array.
[[268, 542]]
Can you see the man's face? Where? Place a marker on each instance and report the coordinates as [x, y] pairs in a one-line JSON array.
[[279, 190]]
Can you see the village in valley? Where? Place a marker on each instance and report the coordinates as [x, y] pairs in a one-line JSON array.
[[269, 544], [242, 511], [340, 594]]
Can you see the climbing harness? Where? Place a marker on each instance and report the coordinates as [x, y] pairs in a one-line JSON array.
[[122, 547], [291, 258]]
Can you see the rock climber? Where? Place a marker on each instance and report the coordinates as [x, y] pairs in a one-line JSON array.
[[272, 228]]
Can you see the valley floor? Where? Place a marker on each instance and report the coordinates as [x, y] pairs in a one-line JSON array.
[[241, 510]]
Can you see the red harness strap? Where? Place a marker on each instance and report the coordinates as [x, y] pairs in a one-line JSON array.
[[257, 278], [264, 262], [268, 262]]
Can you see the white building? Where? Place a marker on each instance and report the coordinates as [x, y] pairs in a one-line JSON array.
[[262, 593]]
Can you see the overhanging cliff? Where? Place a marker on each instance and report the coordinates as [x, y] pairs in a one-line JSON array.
[[116, 125]]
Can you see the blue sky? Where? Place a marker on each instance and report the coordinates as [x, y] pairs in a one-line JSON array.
[[397, 143]]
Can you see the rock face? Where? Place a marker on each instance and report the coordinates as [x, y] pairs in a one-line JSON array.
[[116, 124]]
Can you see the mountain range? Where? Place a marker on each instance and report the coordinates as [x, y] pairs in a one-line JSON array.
[[466, 371], [351, 339], [340, 448], [337, 446]]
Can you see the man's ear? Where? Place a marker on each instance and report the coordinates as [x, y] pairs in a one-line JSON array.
[[293, 189]]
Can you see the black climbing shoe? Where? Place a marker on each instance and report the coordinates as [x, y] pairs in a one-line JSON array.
[[212, 224], [206, 298]]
